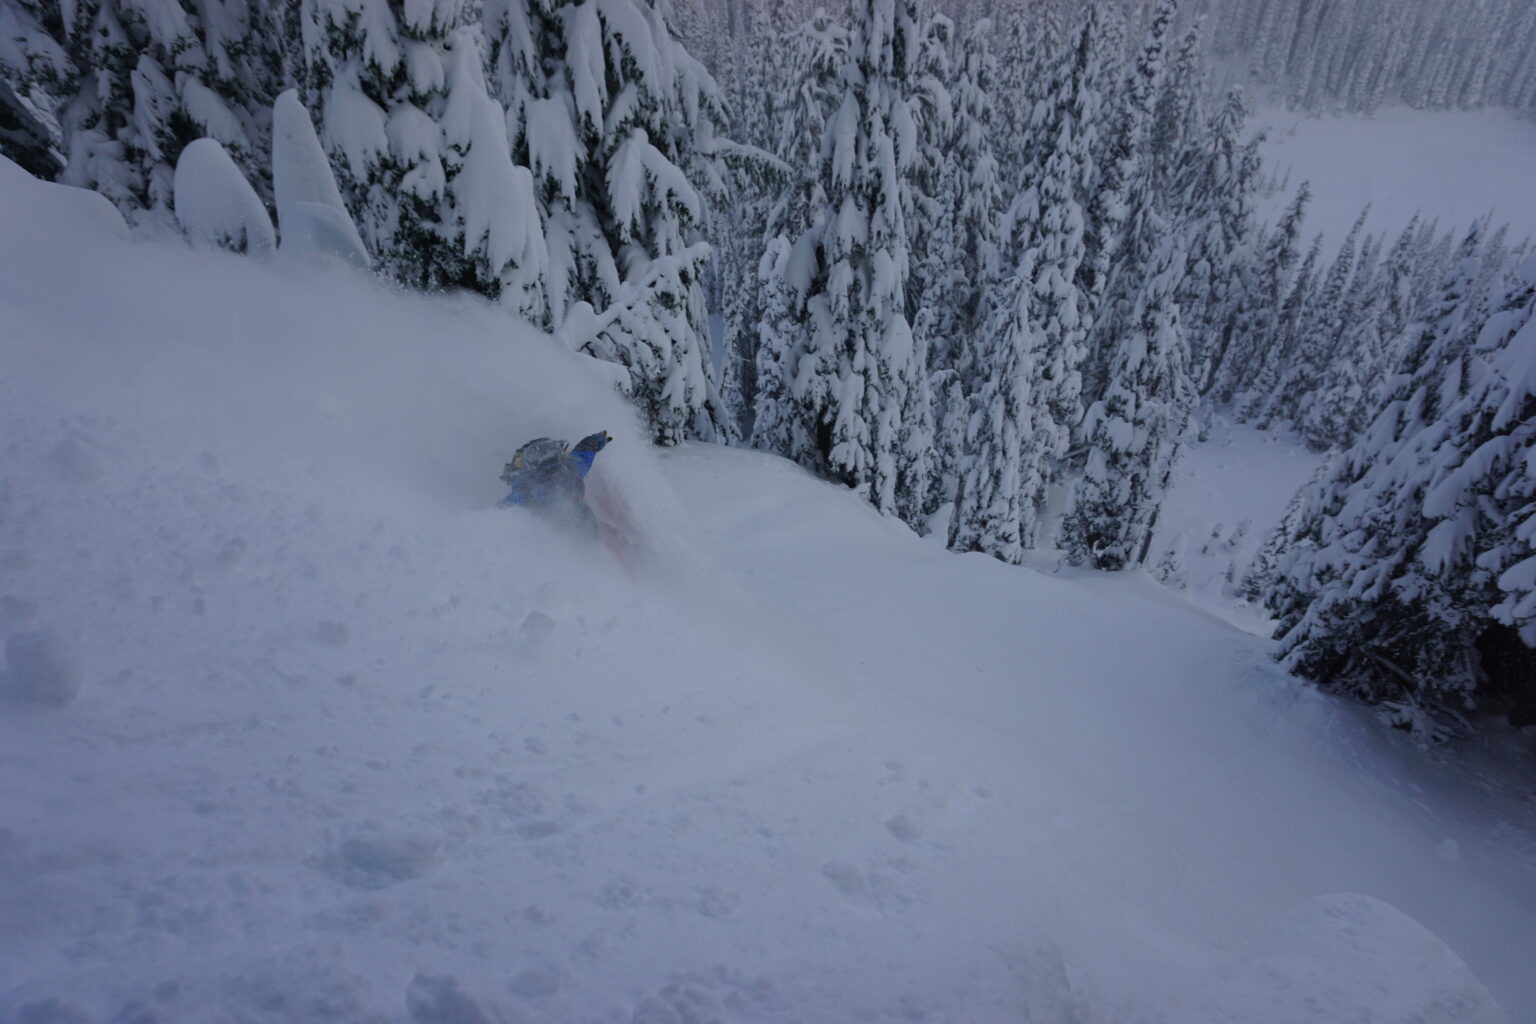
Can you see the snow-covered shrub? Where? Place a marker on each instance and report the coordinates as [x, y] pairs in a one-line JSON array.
[[319, 229], [215, 205], [301, 172], [310, 211]]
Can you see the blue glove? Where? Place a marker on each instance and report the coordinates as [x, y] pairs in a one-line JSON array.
[[592, 442]]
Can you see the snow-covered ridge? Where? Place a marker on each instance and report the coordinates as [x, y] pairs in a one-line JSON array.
[[352, 745]]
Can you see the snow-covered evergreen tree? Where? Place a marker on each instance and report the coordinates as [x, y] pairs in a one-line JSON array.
[[932, 120], [944, 339], [1177, 135], [1099, 53], [301, 171], [616, 122], [1045, 231], [25, 137], [993, 499], [784, 413], [1135, 430], [1398, 304], [1255, 402], [1315, 340], [1404, 575], [1363, 53], [1018, 47], [312, 216], [34, 70], [1121, 237], [763, 88], [1057, 312], [950, 421], [1428, 372], [977, 199], [1216, 185], [420, 150], [1342, 405], [1254, 349], [862, 358], [1069, 98], [129, 84]]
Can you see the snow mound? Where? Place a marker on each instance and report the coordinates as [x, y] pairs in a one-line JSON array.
[[1345, 957], [215, 205], [58, 212]]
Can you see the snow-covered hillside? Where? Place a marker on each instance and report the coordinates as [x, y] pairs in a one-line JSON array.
[[1454, 166], [352, 745], [1228, 494]]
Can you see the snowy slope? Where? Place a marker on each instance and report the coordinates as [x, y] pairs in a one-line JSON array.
[[1228, 493], [351, 745], [1454, 165]]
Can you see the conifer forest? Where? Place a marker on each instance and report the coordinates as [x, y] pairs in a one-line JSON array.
[[767, 511], [991, 264]]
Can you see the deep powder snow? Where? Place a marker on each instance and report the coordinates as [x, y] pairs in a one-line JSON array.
[[350, 744]]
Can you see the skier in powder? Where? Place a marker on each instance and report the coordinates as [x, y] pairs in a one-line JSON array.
[[547, 477]]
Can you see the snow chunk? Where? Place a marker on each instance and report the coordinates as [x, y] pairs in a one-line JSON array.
[[216, 205], [424, 67], [44, 668], [844, 139]]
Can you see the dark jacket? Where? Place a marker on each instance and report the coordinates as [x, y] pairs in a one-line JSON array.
[[558, 483]]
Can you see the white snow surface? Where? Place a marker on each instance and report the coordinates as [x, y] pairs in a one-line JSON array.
[[350, 744], [1454, 165], [1227, 495]]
